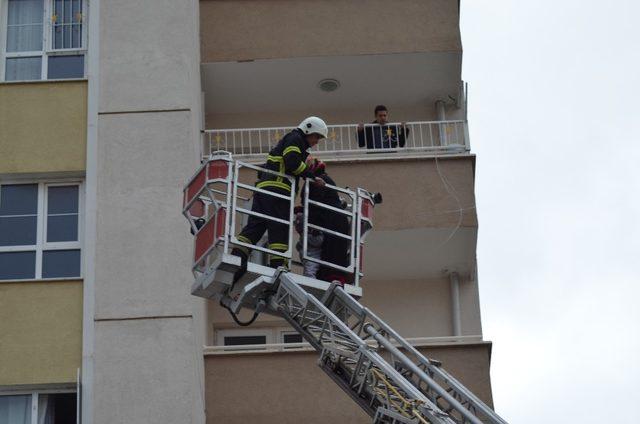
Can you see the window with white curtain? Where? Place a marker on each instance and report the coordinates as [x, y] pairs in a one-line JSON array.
[[42, 39], [40, 226], [39, 408]]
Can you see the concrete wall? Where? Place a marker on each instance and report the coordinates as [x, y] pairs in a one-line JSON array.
[[147, 365], [258, 29], [414, 193], [334, 116], [414, 308], [290, 388], [40, 332], [43, 127]]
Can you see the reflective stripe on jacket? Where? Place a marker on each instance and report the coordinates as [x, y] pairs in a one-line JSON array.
[[287, 157]]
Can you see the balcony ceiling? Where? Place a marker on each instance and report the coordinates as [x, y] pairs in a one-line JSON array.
[[420, 253], [285, 85]]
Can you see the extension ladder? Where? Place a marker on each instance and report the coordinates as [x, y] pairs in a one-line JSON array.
[[374, 365]]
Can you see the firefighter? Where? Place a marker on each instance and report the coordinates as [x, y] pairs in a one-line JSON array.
[[287, 157]]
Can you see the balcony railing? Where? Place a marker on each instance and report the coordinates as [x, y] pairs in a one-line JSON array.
[[304, 346], [422, 137]]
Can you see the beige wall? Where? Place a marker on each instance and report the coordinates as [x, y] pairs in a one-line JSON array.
[[290, 388], [414, 193], [331, 116], [258, 29], [40, 332], [43, 127], [414, 308]]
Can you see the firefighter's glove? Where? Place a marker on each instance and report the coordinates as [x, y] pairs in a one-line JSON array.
[[319, 182]]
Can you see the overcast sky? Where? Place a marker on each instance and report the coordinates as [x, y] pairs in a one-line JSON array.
[[555, 123]]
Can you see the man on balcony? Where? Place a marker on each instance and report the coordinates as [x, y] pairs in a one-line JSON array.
[[287, 157], [381, 135]]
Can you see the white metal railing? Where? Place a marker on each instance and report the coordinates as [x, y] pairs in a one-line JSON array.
[[288, 347], [436, 137], [214, 209]]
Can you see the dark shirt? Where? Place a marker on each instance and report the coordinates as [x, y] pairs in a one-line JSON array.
[[388, 136]]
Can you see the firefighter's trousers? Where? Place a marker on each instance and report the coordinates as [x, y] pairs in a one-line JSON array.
[[278, 234]]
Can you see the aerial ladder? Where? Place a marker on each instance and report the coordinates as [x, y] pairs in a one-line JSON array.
[[382, 372]]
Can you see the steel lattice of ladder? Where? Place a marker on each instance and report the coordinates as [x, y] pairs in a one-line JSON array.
[[375, 366]]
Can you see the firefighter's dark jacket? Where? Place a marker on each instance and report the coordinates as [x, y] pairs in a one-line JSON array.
[[287, 157]]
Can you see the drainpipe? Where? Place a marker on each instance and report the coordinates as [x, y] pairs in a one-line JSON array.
[[441, 116], [455, 303]]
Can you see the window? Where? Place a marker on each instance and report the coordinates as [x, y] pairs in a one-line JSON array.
[[40, 225], [38, 408], [42, 39], [244, 340], [244, 337], [258, 336], [292, 338]]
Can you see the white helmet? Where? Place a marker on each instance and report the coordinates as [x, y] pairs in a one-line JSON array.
[[314, 125]]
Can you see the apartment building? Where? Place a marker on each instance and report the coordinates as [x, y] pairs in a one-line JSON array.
[[107, 108]]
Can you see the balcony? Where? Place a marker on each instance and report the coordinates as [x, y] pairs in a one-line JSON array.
[[423, 138], [286, 381]]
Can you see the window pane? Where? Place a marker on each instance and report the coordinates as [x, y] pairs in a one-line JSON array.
[[244, 340], [17, 265], [24, 38], [24, 25], [60, 263], [57, 408], [292, 338], [15, 409], [18, 230], [23, 68], [61, 67], [62, 228], [68, 25], [63, 199], [19, 199]]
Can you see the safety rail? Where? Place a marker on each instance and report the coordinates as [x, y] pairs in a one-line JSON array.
[[416, 342], [212, 205], [435, 137], [245, 211]]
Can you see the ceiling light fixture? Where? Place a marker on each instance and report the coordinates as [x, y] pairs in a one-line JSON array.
[[329, 84]]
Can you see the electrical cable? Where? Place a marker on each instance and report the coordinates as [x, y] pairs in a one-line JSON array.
[[452, 192], [235, 317]]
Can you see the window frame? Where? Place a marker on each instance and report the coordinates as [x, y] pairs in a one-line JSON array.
[[41, 228], [47, 44], [35, 398], [240, 332], [274, 335]]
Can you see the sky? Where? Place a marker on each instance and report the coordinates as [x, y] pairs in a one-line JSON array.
[[555, 123]]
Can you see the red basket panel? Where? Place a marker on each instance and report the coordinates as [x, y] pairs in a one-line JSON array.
[[367, 208], [197, 209], [220, 222], [204, 239], [195, 187], [218, 169]]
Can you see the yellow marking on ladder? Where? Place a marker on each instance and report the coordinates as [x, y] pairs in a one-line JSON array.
[[276, 136], [407, 407], [218, 139], [333, 135], [389, 132]]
